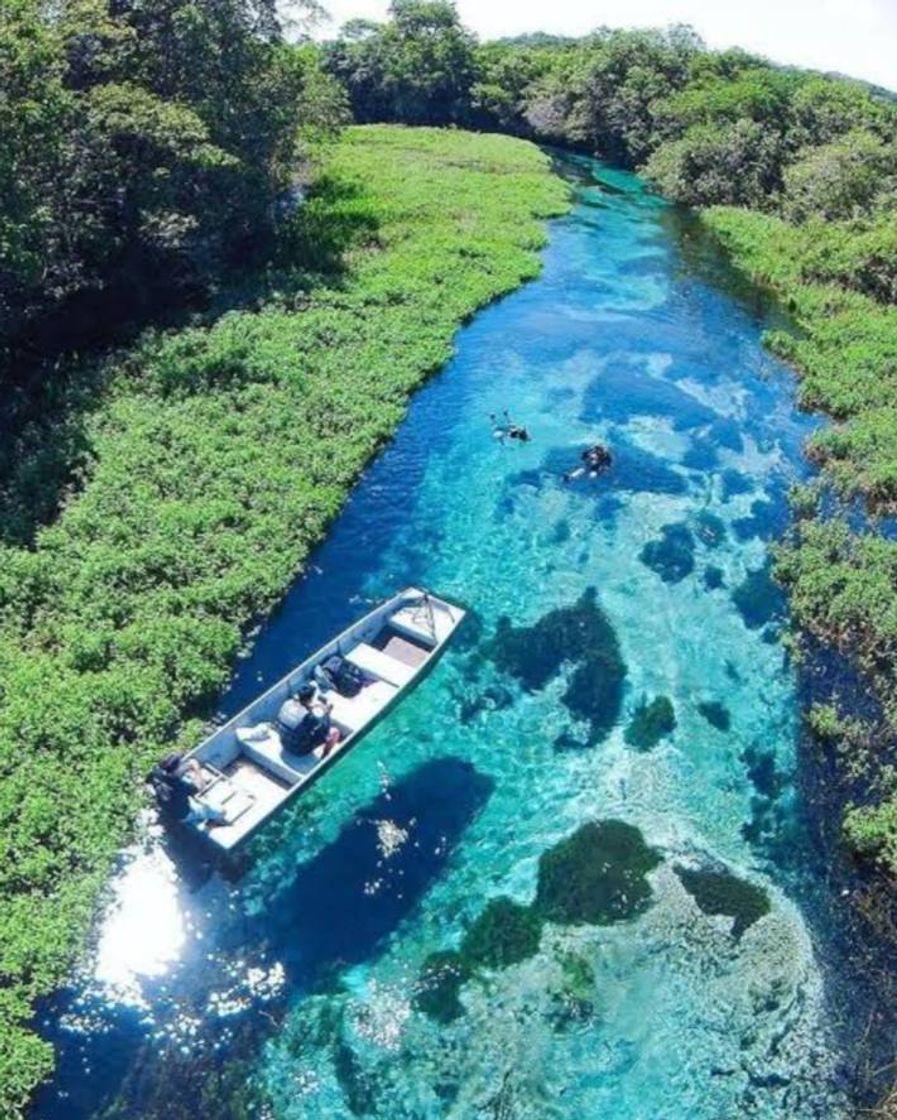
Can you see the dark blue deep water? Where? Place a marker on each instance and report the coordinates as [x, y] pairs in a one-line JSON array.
[[296, 983]]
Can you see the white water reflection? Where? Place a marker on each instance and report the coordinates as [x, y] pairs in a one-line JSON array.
[[144, 929]]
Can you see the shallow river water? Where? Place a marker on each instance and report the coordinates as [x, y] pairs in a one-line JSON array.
[[300, 978]]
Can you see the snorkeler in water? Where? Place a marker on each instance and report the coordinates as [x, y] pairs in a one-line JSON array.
[[595, 459], [509, 429]]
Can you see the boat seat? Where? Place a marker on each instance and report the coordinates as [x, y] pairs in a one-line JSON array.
[[408, 621], [380, 664], [352, 712], [269, 752]]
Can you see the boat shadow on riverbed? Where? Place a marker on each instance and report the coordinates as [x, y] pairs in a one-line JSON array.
[[217, 1006]]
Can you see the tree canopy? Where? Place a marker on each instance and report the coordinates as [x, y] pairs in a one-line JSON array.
[[142, 147]]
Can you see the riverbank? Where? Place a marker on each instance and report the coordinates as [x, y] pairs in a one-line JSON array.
[[217, 458], [839, 560]]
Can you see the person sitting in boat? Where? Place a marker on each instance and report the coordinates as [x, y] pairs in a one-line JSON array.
[[289, 721], [177, 782], [595, 459], [509, 429], [317, 729]]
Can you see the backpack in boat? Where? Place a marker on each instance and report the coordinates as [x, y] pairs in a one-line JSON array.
[[347, 679]]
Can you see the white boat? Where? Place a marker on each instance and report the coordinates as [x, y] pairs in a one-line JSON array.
[[248, 773]]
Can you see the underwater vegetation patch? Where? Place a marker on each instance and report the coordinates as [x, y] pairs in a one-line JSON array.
[[766, 520], [763, 771], [721, 892], [504, 934], [560, 532], [725, 432], [770, 825], [597, 876], [758, 599], [716, 713], [735, 483], [672, 557], [713, 577], [582, 635], [625, 388], [439, 983], [700, 456], [650, 722], [709, 529]]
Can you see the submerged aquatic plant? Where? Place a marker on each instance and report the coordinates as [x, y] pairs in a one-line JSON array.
[[581, 634], [504, 934], [573, 1003], [672, 557], [721, 892], [710, 529], [716, 713], [441, 978], [650, 722], [596, 876], [757, 598], [713, 577]]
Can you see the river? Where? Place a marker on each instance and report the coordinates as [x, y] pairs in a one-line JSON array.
[[297, 982]]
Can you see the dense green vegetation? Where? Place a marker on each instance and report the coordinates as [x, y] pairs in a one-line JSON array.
[[218, 454], [796, 172], [142, 149]]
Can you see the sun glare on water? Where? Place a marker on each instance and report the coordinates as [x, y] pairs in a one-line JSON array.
[[144, 930]]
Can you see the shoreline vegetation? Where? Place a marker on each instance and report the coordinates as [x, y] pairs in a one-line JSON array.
[[219, 455]]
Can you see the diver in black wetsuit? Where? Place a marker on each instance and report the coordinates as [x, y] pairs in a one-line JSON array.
[[509, 430], [595, 459]]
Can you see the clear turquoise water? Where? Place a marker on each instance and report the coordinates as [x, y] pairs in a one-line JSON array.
[[300, 975]]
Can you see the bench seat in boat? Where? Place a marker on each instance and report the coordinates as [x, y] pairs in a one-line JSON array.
[[353, 712], [379, 664], [269, 752]]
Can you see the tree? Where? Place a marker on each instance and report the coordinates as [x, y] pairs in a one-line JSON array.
[[143, 145], [735, 165], [824, 108], [417, 69], [840, 179]]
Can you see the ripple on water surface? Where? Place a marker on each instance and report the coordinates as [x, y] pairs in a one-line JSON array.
[[678, 980]]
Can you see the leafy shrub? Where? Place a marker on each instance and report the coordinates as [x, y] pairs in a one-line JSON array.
[[217, 459]]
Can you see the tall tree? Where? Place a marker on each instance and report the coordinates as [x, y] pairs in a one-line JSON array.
[[417, 68]]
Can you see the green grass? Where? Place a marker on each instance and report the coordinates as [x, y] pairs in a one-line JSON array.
[[217, 459]]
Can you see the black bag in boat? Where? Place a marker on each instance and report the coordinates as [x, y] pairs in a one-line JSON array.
[[346, 678]]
